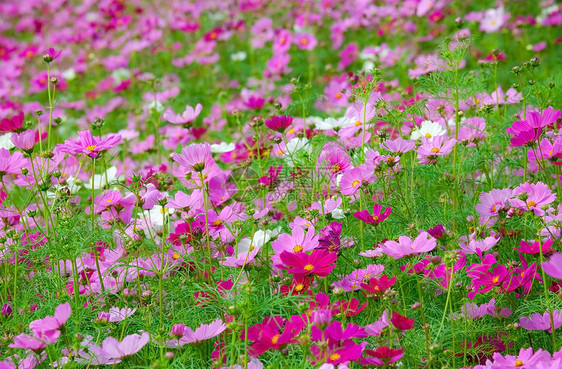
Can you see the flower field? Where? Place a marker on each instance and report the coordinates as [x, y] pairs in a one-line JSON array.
[[290, 184]]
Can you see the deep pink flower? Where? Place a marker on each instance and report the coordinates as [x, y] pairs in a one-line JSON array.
[[305, 41], [89, 145], [382, 356], [534, 249], [129, 346], [279, 123], [483, 280], [378, 286], [523, 138], [271, 177], [51, 54], [188, 116], [37, 342], [401, 322], [12, 124], [296, 242], [406, 247], [374, 218], [273, 333], [319, 262]]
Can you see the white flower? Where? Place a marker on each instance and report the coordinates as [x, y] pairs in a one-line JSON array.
[[72, 187], [296, 144], [368, 66], [222, 147], [6, 141], [69, 74], [101, 180], [259, 239], [156, 105], [239, 56], [121, 74], [155, 217], [428, 129], [331, 123]]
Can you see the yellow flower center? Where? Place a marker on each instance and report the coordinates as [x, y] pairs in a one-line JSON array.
[[428, 135], [338, 95], [435, 150], [91, 147], [550, 153], [375, 218], [29, 54], [297, 248], [163, 210], [299, 287], [274, 339], [217, 222], [252, 247], [477, 101], [336, 168], [531, 203], [308, 267], [280, 152], [335, 357], [355, 183], [291, 131], [518, 363], [175, 256], [304, 41], [109, 200], [358, 123], [376, 288], [213, 36], [496, 279], [494, 208]]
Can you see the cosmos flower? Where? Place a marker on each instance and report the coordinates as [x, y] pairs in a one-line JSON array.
[[406, 247], [541, 322], [188, 116], [89, 145], [553, 267], [532, 196], [129, 346], [319, 262], [375, 218], [279, 123]]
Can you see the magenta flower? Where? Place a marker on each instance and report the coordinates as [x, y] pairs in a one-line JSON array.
[[24, 141], [535, 249], [535, 121], [532, 196], [374, 218], [188, 116], [273, 333], [406, 247], [333, 159], [553, 267], [351, 181], [279, 123], [523, 138], [319, 262], [129, 346], [483, 280], [89, 145], [430, 149], [541, 322], [51, 54]]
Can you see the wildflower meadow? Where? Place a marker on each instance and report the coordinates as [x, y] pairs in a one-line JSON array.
[[291, 184]]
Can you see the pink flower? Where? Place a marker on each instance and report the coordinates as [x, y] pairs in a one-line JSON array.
[[476, 246], [525, 137], [89, 145], [37, 342], [24, 141], [305, 41], [296, 242], [351, 181], [493, 20], [406, 247], [51, 54], [430, 149], [188, 116], [534, 249], [49, 323], [203, 333], [12, 164], [398, 146], [541, 322], [491, 203], [532, 196], [526, 359], [553, 267], [129, 346]]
